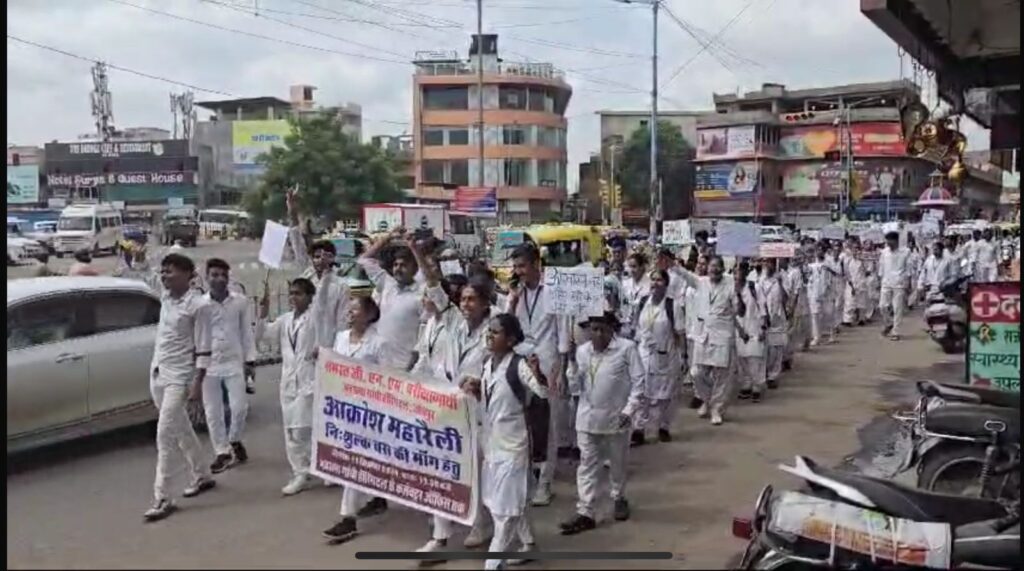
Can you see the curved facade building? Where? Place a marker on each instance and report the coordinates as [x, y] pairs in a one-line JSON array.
[[524, 131]]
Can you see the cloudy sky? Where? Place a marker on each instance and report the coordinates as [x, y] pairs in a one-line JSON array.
[[358, 50]]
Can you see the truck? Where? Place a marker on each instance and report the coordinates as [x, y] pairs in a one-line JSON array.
[[180, 223]]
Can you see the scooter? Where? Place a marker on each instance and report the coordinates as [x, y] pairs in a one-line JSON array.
[[851, 521], [946, 316]]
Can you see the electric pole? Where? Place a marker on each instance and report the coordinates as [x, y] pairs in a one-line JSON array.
[[480, 89]]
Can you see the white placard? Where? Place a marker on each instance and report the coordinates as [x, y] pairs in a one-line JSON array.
[[872, 236], [275, 238], [934, 214], [738, 239], [833, 232], [575, 291], [676, 232], [450, 267], [778, 250]]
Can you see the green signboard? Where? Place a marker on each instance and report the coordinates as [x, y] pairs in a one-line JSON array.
[[993, 347]]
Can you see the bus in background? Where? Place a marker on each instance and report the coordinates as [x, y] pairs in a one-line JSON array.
[[95, 227], [224, 223]]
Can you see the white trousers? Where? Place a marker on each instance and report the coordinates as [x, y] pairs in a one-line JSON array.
[[773, 361], [713, 385], [658, 413], [750, 372], [595, 450], [174, 436], [556, 435], [823, 322], [850, 306], [509, 530], [298, 444], [891, 304], [351, 500], [213, 402]]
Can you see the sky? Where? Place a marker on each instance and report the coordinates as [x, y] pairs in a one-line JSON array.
[[359, 51]]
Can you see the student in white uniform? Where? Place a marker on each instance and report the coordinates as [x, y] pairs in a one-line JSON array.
[[609, 378], [838, 285], [793, 282], [892, 265], [690, 309], [854, 289], [441, 322], [937, 270], [362, 343], [296, 333], [777, 322], [986, 258], [401, 296], [234, 353], [750, 352], [177, 373], [820, 291], [635, 287], [659, 336], [508, 384]]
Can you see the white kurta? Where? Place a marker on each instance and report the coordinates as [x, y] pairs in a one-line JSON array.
[[369, 349], [715, 307], [297, 338], [633, 291], [752, 321], [610, 383], [658, 343], [330, 303], [775, 311], [937, 271]]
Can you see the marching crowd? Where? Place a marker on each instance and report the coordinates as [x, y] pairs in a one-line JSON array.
[[547, 386]]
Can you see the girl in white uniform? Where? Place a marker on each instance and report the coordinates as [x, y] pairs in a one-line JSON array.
[[506, 472], [659, 337], [750, 353]]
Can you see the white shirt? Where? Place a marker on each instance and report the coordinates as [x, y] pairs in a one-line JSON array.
[[401, 309], [465, 351], [775, 310], [330, 302], [985, 254], [297, 338], [232, 338], [504, 419], [545, 332], [609, 383], [182, 339], [937, 271], [892, 264], [368, 349]]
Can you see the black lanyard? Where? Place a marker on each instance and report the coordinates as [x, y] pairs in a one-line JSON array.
[[293, 333], [530, 308]]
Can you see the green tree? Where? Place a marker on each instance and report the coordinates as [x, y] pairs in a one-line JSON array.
[[335, 174], [675, 168]]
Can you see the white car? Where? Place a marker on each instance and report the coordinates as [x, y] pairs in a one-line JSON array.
[[775, 234], [78, 357], [21, 249]]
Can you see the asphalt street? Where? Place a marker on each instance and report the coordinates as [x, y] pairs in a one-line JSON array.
[[80, 505]]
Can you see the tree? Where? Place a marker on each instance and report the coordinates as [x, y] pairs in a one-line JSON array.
[[336, 174], [675, 169]]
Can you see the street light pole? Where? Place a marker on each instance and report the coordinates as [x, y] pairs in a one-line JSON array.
[[480, 89]]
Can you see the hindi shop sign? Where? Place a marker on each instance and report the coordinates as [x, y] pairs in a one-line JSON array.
[[993, 343], [395, 435], [575, 291]]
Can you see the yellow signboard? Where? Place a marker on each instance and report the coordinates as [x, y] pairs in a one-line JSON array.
[[250, 139]]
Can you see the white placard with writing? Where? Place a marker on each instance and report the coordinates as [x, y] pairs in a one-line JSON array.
[[778, 250], [676, 232], [575, 291], [450, 267], [275, 238], [738, 238], [833, 232]]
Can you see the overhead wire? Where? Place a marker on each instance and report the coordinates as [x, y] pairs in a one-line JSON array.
[[704, 48]]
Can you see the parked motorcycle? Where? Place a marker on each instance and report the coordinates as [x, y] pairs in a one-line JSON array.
[[851, 521], [946, 316], [960, 437]]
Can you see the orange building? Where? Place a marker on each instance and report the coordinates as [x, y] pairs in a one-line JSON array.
[[524, 131]]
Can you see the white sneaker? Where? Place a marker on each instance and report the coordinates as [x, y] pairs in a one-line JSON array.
[[476, 538], [542, 497], [716, 418], [432, 546], [702, 412], [529, 547], [295, 485]]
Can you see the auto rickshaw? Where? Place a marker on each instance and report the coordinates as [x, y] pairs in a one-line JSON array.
[[560, 245]]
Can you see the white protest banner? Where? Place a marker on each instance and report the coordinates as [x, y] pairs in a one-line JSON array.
[[872, 236], [833, 232], [395, 435], [778, 250], [930, 228], [450, 267], [676, 232], [275, 237], [738, 238], [575, 291], [934, 214]]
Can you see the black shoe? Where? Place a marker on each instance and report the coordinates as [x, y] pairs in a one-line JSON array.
[[787, 365], [564, 452], [202, 485], [772, 383], [744, 394], [695, 403], [755, 397], [621, 511], [886, 330], [664, 436], [342, 531], [575, 454], [373, 507], [220, 463], [241, 456], [637, 438], [578, 524]]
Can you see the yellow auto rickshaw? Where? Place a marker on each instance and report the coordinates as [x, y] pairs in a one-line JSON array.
[[560, 245]]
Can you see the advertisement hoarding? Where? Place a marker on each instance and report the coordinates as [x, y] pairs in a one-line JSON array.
[[108, 179], [726, 142], [113, 150], [725, 180], [22, 184], [993, 342], [250, 139], [869, 139], [825, 179]]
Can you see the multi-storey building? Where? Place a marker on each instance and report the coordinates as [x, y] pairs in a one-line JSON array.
[[524, 155]]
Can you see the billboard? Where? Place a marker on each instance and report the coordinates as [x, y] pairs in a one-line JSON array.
[[825, 179], [89, 180], [116, 150], [722, 180], [250, 139], [868, 139], [475, 201], [22, 184], [726, 142], [993, 342]]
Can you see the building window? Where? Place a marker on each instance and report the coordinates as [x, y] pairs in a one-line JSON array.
[[433, 137], [458, 172], [446, 172], [445, 97], [536, 99], [458, 137], [511, 97], [547, 173], [433, 172], [513, 135], [515, 172], [553, 137]]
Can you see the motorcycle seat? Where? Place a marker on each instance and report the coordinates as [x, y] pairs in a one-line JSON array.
[[913, 504], [980, 544], [970, 394], [962, 419]]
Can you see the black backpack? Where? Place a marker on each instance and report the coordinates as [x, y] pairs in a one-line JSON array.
[[537, 411]]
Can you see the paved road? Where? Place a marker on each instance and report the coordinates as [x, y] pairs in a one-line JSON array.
[[81, 505]]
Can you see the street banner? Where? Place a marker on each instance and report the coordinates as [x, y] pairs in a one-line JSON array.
[[676, 232], [275, 237], [778, 250], [395, 435], [476, 201], [575, 291], [738, 239], [993, 342]]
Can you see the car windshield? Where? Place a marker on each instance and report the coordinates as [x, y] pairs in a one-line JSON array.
[[76, 223]]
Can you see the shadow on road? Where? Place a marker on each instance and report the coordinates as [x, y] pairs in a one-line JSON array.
[[117, 440]]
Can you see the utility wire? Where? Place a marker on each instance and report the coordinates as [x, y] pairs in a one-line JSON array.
[[342, 18], [718, 35]]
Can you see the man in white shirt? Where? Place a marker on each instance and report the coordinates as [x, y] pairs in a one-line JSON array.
[[400, 297], [986, 258], [610, 382], [937, 270], [233, 353], [892, 265], [180, 359]]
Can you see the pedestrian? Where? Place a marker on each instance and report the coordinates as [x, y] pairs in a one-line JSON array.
[[893, 268], [750, 351], [659, 337], [509, 383], [401, 295], [986, 258], [820, 288], [938, 270], [690, 309], [547, 338], [361, 342], [854, 288], [610, 382], [872, 282], [635, 287], [776, 321], [296, 333], [838, 276], [181, 357], [914, 262], [715, 341], [793, 282], [83, 264], [233, 354]]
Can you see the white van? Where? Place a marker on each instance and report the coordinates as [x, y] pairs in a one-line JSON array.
[[96, 227]]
